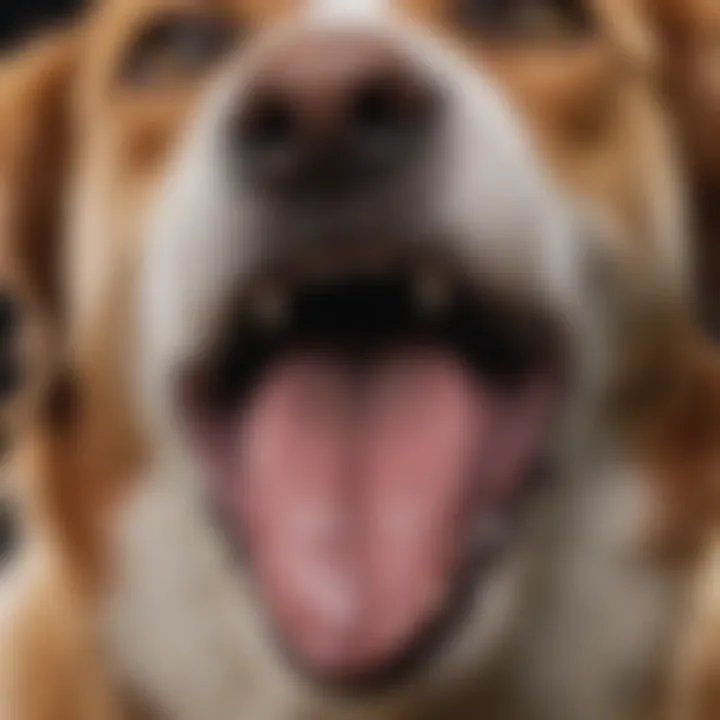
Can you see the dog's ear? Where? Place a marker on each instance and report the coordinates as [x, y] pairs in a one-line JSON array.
[[35, 113], [690, 36], [689, 33], [35, 98]]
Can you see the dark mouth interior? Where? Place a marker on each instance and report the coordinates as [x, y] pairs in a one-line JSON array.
[[358, 317], [354, 326]]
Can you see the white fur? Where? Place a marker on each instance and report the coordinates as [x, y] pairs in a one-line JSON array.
[[187, 631]]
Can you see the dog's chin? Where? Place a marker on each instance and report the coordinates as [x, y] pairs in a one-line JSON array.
[[370, 432]]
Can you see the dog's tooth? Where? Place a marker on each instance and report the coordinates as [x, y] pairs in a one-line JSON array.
[[433, 291], [270, 307]]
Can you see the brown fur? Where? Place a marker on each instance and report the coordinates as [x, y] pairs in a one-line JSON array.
[[33, 148], [697, 680], [691, 77]]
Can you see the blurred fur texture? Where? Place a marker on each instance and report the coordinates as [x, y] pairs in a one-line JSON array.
[[691, 77], [79, 163]]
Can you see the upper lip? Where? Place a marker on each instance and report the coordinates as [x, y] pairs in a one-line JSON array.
[[355, 301]]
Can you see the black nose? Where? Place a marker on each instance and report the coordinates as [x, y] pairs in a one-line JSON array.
[[327, 113]]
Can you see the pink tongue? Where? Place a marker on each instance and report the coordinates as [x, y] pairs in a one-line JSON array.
[[352, 494]]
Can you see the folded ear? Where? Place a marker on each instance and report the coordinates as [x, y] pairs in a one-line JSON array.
[[34, 134], [690, 38], [35, 95], [35, 112], [690, 32]]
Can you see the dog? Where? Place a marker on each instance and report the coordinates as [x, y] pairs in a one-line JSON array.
[[345, 290]]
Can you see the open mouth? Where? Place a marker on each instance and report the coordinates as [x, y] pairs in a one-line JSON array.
[[365, 430]]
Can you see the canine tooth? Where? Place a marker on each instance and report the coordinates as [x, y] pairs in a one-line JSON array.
[[270, 307], [433, 291]]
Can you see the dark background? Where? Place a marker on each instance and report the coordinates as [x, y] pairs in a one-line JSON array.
[[20, 18]]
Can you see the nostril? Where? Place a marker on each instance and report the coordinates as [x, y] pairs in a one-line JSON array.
[[270, 123], [387, 116], [376, 109], [269, 136], [329, 114]]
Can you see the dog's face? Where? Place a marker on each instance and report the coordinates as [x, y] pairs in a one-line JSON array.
[[329, 261]]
